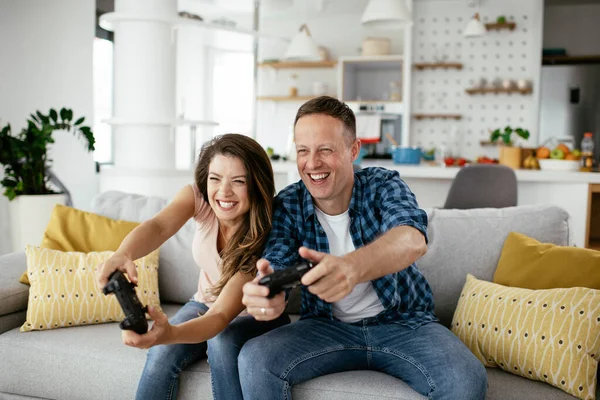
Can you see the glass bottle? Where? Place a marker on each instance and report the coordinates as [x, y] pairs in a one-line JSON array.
[[587, 152]]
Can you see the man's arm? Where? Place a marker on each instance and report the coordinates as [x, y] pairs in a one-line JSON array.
[[404, 240], [282, 251]]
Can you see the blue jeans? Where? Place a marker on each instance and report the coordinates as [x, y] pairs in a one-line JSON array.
[[430, 359], [164, 363]]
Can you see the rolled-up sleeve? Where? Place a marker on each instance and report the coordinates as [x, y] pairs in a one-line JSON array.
[[398, 206], [281, 249]]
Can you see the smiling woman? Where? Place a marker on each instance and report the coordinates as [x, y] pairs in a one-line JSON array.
[[231, 201]]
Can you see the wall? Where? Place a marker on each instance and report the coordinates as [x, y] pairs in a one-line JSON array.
[[342, 34], [437, 34], [47, 62], [573, 27]]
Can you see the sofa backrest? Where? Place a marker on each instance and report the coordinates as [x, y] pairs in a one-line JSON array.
[[177, 271], [470, 241], [460, 242]]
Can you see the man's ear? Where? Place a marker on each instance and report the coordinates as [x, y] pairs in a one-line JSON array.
[[355, 149]]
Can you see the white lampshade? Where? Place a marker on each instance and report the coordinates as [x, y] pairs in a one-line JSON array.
[[386, 14], [475, 27], [303, 47]]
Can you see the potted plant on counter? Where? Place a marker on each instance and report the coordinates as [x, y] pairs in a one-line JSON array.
[[26, 166], [510, 155]]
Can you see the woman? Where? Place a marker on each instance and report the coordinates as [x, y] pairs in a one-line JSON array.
[[231, 201]]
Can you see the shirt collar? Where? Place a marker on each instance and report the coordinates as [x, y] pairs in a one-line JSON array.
[[355, 201]]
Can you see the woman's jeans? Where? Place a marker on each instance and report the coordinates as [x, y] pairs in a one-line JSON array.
[[160, 378]]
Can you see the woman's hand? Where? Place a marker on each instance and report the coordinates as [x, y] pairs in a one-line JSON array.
[[115, 262], [160, 333]]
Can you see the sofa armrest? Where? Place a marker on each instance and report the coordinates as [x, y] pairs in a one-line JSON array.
[[13, 294]]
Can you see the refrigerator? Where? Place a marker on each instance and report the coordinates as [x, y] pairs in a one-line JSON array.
[[570, 103]]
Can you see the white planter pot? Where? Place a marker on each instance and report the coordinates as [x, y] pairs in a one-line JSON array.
[[29, 215]]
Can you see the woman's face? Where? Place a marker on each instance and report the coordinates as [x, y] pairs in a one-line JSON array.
[[227, 188]]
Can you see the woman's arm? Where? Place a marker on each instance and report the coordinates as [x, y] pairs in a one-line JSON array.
[[149, 236], [197, 330], [221, 313]]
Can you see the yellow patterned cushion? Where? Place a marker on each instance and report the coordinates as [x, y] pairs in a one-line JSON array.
[[70, 229], [64, 292], [550, 335]]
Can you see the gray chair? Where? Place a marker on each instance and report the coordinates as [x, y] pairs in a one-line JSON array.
[[483, 186]]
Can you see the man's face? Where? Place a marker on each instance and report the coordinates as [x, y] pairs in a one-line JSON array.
[[324, 159]]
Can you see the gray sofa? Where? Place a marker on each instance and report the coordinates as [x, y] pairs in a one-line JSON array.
[[90, 362]]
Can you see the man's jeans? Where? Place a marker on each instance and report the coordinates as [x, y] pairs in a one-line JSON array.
[[430, 359], [160, 378]]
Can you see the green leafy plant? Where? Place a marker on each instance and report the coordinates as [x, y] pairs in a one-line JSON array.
[[24, 157], [507, 133]]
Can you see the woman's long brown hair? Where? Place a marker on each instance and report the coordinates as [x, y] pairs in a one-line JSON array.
[[245, 247]]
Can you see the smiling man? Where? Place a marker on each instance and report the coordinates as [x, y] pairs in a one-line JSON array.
[[365, 305]]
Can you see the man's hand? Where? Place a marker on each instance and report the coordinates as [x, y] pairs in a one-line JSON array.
[[160, 332], [115, 262], [255, 296], [332, 278]]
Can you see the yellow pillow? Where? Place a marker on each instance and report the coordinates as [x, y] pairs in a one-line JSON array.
[[549, 335], [64, 293], [70, 229], [527, 263]]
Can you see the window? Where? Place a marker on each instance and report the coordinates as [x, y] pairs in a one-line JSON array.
[[233, 92], [103, 95]]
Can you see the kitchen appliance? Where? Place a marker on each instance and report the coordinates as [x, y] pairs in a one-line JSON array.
[[570, 103], [376, 123]]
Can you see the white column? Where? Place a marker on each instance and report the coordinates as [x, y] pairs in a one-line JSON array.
[[144, 84]]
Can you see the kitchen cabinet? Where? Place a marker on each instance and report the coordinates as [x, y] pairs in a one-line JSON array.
[[593, 218]]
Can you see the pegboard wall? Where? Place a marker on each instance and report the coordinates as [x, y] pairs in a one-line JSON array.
[[504, 54]]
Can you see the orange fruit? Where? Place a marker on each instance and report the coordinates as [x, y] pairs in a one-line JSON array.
[[564, 148], [543, 152], [570, 157]]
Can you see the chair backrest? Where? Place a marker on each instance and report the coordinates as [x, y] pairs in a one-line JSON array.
[[483, 186]]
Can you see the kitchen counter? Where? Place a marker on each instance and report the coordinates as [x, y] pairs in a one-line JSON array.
[[425, 171], [572, 191]]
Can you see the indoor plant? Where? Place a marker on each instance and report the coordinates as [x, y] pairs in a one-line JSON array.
[[24, 157], [26, 166], [510, 155]]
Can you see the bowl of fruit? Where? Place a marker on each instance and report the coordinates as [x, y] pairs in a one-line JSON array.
[[561, 158]]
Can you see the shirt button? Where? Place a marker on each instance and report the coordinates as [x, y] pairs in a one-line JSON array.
[[321, 230]]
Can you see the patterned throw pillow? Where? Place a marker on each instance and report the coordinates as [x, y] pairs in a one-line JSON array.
[[70, 229], [64, 292], [550, 335]]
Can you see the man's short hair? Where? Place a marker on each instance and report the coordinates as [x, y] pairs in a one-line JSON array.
[[331, 106]]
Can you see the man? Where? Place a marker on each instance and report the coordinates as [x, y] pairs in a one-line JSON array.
[[365, 305]]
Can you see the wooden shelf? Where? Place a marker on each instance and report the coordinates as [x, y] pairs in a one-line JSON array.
[[435, 116], [421, 66], [496, 26], [560, 60], [298, 64], [285, 98], [498, 90]]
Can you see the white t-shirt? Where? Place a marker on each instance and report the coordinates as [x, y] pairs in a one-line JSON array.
[[362, 301]]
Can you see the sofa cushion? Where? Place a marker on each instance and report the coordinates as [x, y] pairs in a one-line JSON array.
[[178, 273], [527, 263], [12, 320], [470, 241], [71, 229], [13, 294], [64, 292], [94, 364], [548, 335]]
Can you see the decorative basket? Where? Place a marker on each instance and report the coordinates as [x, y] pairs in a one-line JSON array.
[[375, 46]]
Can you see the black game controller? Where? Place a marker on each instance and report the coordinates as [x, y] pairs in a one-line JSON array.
[[284, 279], [135, 313]]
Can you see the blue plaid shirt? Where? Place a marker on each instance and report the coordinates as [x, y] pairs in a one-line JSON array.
[[380, 201]]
